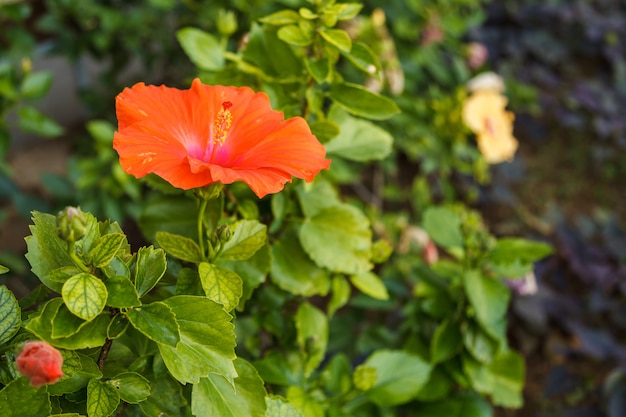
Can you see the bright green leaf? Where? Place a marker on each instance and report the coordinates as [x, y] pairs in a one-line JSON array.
[[340, 294], [10, 315], [215, 396], [482, 347], [207, 340], [345, 11], [305, 404], [294, 35], [280, 18], [19, 399], [121, 293], [85, 295], [3, 269], [102, 399], [221, 285], [312, 326], [358, 140], [292, 269], [508, 379], [248, 236], [488, 296], [369, 283], [106, 248], [279, 407], [338, 238], [157, 322], [202, 48], [180, 247], [149, 268], [133, 388], [320, 69], [443, 226], [317, 196], [362, 102], [399, 376], [338, 38]]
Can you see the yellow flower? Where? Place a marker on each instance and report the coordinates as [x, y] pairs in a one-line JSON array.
[[485, 113]]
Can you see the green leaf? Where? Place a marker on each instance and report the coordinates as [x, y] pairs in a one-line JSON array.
[[279, 407], [149, 269], [133, 388], [165, 398], [292, 269], [106, 248], [248, 236], [92, 334], [438, 386], [275, 57], [175, 214], [221, 285], [338, 238], [345, 11], [340, 290], [283, 17], [482, 347], [101, 130], [102, 399], [46, 251], [180, 247], [508, 376], [358, 140], [320, 69], [369, 283], [157, 322], [84, 295], [66, 324], [215, 395], [294, 35], [306, 405], [3, 269], [121, 293], [517, 249], [202, 48], [317, 196], [252, 271], [399, 377], [31, 120], [337, 38], [464, 404], [324, 130], [36, 84], [446, 342], [280, 368], [312, 326], [207, 340], [489, 298], [443, 226], [362, 102], [10, 315], [19, 399]]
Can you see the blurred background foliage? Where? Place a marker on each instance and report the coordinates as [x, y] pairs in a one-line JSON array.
[[563, 63]]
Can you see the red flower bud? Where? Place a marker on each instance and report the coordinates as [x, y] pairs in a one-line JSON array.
[[40, 362]]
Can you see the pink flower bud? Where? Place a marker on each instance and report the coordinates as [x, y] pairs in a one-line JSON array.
[[477, 54], [430, 253], [40, 362]]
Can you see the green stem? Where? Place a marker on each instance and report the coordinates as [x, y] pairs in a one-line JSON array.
[[201, 210]]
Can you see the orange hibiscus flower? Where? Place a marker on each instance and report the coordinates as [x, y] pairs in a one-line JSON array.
[[209, 134]]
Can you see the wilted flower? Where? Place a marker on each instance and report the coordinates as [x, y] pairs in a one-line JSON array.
[[40, 363], [485, 113], [209, 134], [527, 285]]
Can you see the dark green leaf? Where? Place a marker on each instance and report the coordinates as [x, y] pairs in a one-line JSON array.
[[360, 101], [121, 293], [464, 404], [133, 388], [36, 84], [19, 399], [32, 120], [446, 342], [312, 326], [10, 315], [157, 322]]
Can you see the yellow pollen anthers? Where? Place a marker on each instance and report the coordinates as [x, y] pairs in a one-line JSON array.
[[222, 123]]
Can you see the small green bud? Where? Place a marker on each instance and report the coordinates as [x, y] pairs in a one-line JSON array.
[[364, 377], [226, 22], [224, 233], [71, 224]]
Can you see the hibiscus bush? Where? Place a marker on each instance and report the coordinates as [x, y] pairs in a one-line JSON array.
[[285, 268]]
